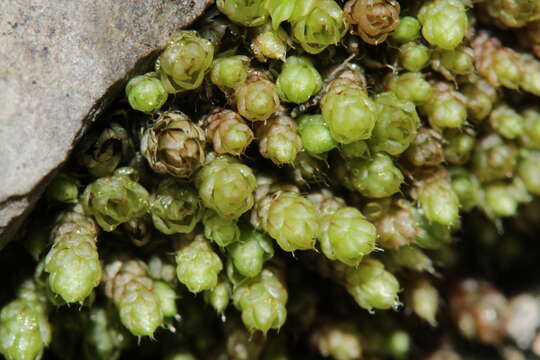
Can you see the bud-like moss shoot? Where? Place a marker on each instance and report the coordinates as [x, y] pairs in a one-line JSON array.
[[298, 80], [414, 56], [410, 86], [348, 111], [257, 99], [506, 121], [444, 22], [146, 93], [407, 30], [244, 12], [318, 24], [197, 265], [185, 61], [229, 72], [315, 134], [226, 186]]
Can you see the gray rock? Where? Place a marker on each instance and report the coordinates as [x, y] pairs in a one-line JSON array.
[[61, 62]]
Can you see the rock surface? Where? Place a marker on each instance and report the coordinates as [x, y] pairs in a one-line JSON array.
[[61, 62]]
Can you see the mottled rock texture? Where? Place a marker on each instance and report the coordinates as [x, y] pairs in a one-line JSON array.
[[61, 63]]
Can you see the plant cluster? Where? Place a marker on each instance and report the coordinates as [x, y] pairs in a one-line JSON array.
[[299, 179]]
